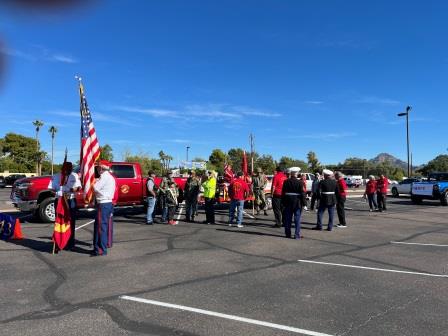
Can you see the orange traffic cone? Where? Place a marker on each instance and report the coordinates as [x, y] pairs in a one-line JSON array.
[[17, 230]]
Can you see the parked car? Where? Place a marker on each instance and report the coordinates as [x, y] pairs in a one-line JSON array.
[[10, 179], [403, 187], [2, 182], [434, 188]]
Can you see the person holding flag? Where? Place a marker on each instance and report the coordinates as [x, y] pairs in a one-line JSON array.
[[104, 188], [65, 184]]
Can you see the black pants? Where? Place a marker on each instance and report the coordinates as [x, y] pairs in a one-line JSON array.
[[171, 212], [381, 199], [209, 210], [314, 201], [277, 208], [340, 208]]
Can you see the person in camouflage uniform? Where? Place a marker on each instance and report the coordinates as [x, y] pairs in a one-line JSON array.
[[259, 182], [191, 193], [163, 189]]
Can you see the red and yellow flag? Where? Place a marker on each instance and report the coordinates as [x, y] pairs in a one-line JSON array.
[[62, 232]]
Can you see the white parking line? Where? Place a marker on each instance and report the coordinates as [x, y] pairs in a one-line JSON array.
[[181, 207], [374, 268], [404, 243], [225, 316], [85, 224], [248, 215]]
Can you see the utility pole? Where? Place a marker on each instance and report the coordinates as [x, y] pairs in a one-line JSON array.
[[252, 151], [188, 148]]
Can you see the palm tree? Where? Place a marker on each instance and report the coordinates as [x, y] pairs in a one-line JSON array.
[[38, 124], [53, 130]]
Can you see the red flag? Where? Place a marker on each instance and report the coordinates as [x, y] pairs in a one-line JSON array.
[[90, 149], [244, 164], [228, 173], [62, 232]]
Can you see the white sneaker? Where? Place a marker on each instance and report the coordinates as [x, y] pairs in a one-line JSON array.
[[342, 226], [230, 224], [240, 225]]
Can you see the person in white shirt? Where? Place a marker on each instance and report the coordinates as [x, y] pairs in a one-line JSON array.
[[71, 185], [104, 189]]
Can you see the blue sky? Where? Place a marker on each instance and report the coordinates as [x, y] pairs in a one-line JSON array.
[[328, 76]]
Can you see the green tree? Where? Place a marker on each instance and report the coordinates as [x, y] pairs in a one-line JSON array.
[[106, 153], [438, 164], [145, 162], [235, 158], [165, 161], [266, 163], [313, 163], [38, 154], [217, 158], [288, 162], [19, 153]]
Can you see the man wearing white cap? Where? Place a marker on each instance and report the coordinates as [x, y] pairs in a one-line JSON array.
[[104, 188], [292, 201], [327, 196]]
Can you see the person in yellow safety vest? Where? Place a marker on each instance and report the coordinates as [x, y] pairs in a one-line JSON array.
[[209, 186]]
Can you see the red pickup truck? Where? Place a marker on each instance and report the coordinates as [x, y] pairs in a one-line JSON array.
[[32, 194]]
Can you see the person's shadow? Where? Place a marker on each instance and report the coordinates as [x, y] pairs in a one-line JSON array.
[[47, 246]]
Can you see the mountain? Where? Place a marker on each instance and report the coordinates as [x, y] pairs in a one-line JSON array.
[[385, 157]]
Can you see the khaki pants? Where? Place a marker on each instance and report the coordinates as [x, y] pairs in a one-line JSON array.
[[260, 200]]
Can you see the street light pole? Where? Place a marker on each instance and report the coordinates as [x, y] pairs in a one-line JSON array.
[[188, 148], [408, 109]]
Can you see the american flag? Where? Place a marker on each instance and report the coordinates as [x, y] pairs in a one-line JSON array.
[[90, 149]]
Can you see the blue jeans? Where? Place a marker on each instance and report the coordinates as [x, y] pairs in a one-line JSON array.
[[239, 205], [102, 230], [151, 205], [288, 212], [320, 213], [372, 201]]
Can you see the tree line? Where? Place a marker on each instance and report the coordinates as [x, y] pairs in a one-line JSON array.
[[18, 154]]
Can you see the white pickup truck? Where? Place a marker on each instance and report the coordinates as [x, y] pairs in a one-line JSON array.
[[435, 188]]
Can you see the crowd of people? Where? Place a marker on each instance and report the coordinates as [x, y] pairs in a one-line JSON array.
[[288, 190]]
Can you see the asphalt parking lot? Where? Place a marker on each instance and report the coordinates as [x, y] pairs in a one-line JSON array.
[[386, 274]]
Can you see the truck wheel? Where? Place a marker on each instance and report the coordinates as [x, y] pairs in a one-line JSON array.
[[444, 199], [47, 210], [395, 192], [416, 200]]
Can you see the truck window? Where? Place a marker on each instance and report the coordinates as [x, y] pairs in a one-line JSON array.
[[123, 171]]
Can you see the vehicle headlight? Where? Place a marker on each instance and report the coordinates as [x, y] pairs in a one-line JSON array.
[[25, 185]]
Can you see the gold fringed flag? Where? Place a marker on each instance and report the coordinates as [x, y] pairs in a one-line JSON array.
[[62, 232]]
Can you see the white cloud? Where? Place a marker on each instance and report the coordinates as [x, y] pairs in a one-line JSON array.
[[63, 59], [314, 102], [38, 53], [376, 101], [324, 136]]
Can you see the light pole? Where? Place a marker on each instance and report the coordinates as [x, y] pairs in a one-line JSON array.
[[408, 109], [188, 148]]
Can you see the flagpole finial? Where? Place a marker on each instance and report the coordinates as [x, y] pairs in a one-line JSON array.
[[78, 78]]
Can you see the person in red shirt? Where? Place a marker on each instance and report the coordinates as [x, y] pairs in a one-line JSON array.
[[276, 192], [381, 192], [341, 196], [370, 193], [238, 191]]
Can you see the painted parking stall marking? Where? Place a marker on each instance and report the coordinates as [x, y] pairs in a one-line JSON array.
[[374, 268], [224, 316], [419, 244], [81, 226]]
